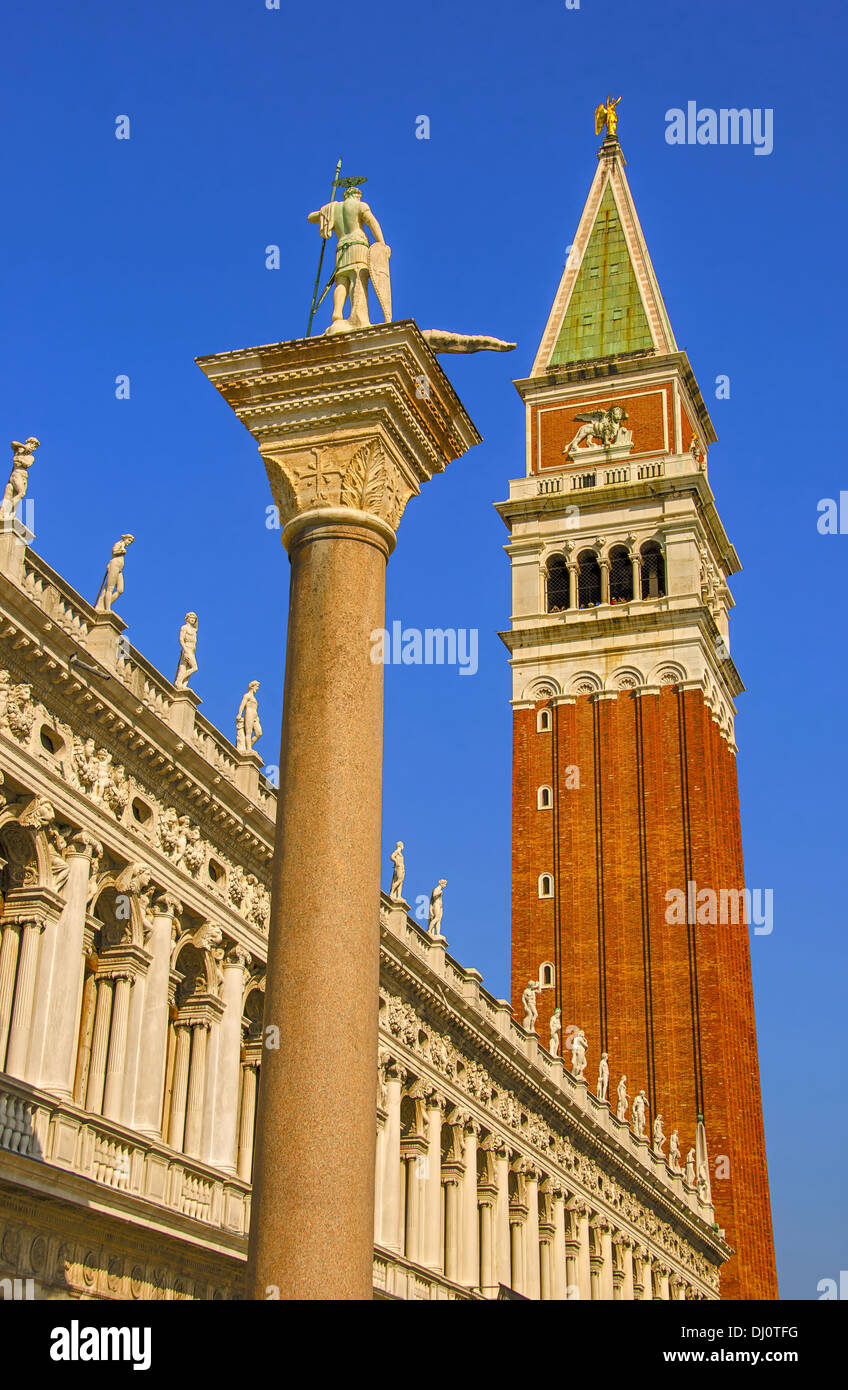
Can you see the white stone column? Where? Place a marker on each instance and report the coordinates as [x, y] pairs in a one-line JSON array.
[[577, 1248], [247, 1119], [223, 1153], [637, 573], [605, 575], [52, 1055], [390, 1225], [89, 1002], [532, 1268], [8, 973], [196, 1088], [453, 1180], [378, 1174], [117, 1057], [470, 1264], [516, 1232], [179, 1087], [431, 1256], [572, 586], [502, 1234], [559, 1281], [21, 1024], [99, 1046], [488, 1276], [150, 1084]]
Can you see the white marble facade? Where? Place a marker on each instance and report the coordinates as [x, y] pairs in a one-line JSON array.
[[137, 847]]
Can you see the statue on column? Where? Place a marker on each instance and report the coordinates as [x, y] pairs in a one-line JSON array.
[[113, 582], [528, 999], [248, 728], [23, 457], [188, 652], [690, 1168], [659, 1136], [555, 1026], [638, 1114], [674, 1152], [357, 261], [603, 1077], [579, 1044], [434, 919], [622, 1099], [398, 873]]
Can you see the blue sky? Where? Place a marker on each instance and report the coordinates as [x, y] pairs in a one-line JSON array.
[[137, 256]]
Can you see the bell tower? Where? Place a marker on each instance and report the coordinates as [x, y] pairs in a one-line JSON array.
[[628, 889]]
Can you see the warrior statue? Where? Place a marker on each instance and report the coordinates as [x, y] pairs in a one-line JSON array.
[[357, 261]]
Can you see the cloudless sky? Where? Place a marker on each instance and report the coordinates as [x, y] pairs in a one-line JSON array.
[[136, 256]]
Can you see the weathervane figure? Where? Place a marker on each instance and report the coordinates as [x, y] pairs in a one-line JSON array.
[[606, 115], [357, 260]]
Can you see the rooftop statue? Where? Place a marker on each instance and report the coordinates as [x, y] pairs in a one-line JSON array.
[[23, 457], [606, 115], [113, 581]]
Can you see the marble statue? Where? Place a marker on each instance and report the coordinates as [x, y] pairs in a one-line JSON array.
[[603, 1077], [23, 457], [640, 1105], [528, 999], [555, 1025], [703, 1182], [606, 115], [579, 1044], [659, 1136], [434, 919], [690, 1168], [438, 340], [622, 1099], [113, 583], [674, 1152], [398, 873], [357, 261], [248, 728], [188, 652], [601, 428]]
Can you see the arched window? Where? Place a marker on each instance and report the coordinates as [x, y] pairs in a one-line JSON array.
[[546, 975], [557, 584], [621, 575], [543, 721], [653, 570], [546, 886], [588, 579], [544, 799]]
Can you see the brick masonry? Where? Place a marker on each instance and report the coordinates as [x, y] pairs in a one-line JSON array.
[[656, 808]]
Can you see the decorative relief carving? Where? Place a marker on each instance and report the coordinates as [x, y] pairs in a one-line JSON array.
[[470, 1076], [364, 480]]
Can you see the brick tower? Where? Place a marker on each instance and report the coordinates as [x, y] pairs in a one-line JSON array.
[[624, 779]]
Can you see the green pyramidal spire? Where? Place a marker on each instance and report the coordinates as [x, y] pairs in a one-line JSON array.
[[605, 315]]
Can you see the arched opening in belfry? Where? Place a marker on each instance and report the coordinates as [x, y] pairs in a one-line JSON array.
[[653, 570], [621, 575], [557, 587], [588, 579]]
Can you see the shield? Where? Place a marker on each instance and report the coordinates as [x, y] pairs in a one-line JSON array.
[[378, 269]]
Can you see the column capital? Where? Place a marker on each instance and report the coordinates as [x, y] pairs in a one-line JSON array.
[[356, 421]]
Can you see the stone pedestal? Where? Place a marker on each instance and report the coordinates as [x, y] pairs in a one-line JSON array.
[[348, 429]]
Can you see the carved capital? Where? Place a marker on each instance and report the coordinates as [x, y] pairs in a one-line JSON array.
[[359, 476]]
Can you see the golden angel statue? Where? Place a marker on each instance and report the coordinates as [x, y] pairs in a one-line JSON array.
[[606, 115]]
